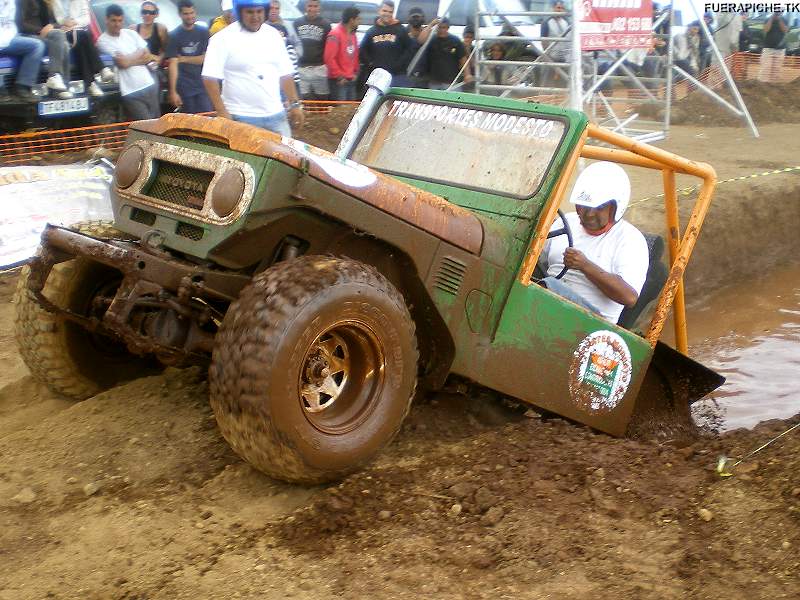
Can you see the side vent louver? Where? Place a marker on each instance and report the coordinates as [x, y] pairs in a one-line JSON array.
[[449, 276]]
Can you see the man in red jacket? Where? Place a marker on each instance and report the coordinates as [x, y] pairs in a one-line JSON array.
[[341, 55]]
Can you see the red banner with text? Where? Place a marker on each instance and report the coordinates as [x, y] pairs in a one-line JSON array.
[[616, 24]]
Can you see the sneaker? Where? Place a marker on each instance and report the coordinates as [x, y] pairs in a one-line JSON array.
[[94, 90], [25, 94], [65, 95], [107, 75], [56, 82]]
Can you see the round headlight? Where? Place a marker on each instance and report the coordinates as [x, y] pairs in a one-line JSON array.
[[227, 192], [129, 165]]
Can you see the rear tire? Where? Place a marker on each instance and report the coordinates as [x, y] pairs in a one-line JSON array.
[[59, 353], [314, 368]]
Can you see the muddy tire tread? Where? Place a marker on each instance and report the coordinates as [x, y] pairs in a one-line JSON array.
[[254, 325], [38, 332]]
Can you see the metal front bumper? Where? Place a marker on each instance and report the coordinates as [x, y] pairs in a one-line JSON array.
[[150, 278]]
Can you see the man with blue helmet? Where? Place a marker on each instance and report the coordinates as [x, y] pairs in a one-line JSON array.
[[250, 57]]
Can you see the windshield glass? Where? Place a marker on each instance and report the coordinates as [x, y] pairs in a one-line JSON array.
[[497, 152]]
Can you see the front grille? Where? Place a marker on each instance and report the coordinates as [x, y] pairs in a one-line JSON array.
[[145, 217], [449, 276], [201, 140], [193, 232], [179, 185]]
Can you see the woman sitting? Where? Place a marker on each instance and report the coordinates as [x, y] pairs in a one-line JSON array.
[[73, 17]]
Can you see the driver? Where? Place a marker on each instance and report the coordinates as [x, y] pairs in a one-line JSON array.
[[607, 263]]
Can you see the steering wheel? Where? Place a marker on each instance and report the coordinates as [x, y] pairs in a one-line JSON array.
[[565, 230]]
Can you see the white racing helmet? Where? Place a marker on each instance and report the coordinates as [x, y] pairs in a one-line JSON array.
[[602, 182]]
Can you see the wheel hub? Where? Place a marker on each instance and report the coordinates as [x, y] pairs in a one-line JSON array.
[[325, 372]]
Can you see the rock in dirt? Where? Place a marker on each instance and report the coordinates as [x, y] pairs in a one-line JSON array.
[[492, 516], [25, 496], [455, 510], [339, 503], [705, 514], [90, 489], [462, 489], [385, 515], [748, 467], [485, 499]]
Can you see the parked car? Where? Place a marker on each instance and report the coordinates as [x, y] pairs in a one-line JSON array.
[[55, 113], [462, 13], [791, 41]]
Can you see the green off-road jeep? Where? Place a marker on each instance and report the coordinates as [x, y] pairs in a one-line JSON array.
[[321, 288]]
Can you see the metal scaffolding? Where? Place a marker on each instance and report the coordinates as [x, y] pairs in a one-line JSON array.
[[629, 91]]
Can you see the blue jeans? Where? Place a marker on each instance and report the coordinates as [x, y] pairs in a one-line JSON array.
[[31, 51], [196, 103], [562, 289], [277, 123], [342, 92]]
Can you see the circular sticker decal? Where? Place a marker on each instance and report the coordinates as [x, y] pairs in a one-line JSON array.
[[600, 372]]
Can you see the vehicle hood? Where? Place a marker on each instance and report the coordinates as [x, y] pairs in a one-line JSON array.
[[420, 208]]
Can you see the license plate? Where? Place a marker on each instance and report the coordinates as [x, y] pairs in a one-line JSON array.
[[60, 107]]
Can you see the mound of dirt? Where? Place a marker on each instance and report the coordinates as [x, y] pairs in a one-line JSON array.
[[134, 494], [501, 511], [766, 102]]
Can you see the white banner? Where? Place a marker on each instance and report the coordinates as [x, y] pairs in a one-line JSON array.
[[31, 197]]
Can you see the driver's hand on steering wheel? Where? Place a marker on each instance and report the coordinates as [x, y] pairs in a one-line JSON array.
[[575, 259]]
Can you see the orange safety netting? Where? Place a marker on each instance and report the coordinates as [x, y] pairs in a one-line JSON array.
[[26, 148]]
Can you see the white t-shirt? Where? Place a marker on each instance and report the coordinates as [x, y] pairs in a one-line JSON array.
[[133, 78], [622, 250], [250, 63], [8, 24]]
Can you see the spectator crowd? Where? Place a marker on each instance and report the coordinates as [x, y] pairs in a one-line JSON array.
[[252, 66]]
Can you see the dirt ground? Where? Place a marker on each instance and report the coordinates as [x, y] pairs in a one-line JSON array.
[[774, 103], [133, 494]]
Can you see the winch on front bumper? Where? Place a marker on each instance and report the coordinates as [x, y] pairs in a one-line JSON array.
[[163, 305]]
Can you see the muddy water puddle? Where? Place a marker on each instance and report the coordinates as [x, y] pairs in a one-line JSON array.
[[750, 333]]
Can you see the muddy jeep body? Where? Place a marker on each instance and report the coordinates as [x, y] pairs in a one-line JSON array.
[[212, 206]]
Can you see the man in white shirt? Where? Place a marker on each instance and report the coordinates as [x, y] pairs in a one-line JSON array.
[[136, 83], [607, 264], [251, 58]]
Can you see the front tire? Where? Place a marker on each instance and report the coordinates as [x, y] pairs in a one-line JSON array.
[[59, 353], [314, 368]]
